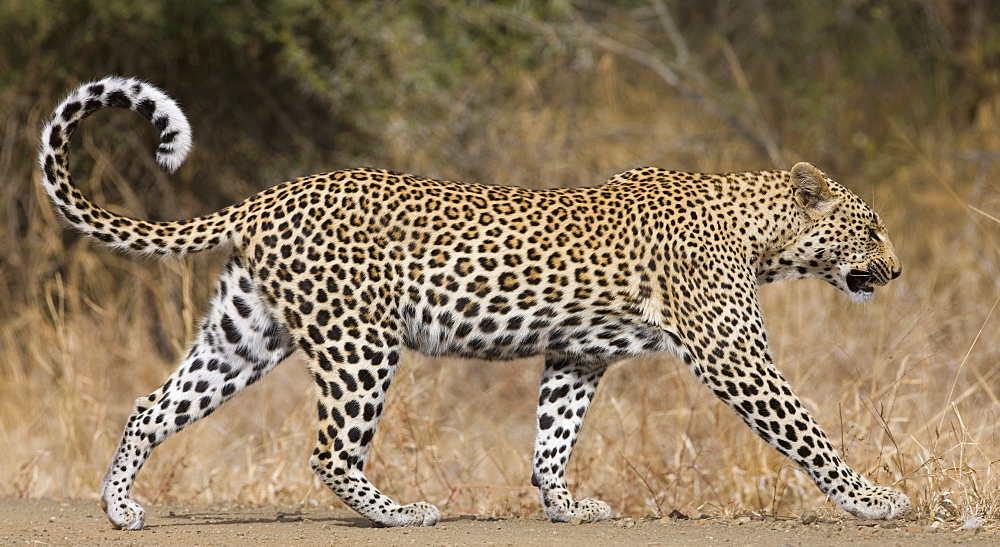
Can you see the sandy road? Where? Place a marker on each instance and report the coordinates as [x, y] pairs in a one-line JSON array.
[[75, 522]]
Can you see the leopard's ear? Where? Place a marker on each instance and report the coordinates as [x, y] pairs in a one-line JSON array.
[[812, 191]]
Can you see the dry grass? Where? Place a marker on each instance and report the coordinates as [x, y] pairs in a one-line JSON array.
[[905, 385]]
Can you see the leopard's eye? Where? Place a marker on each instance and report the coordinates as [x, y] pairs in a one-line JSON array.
[[874, 235]]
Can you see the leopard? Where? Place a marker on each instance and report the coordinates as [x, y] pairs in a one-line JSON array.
[[353, 267]]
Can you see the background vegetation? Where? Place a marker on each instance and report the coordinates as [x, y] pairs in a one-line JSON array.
[[899, 100]]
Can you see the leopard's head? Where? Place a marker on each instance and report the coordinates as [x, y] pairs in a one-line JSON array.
[[841, 240]]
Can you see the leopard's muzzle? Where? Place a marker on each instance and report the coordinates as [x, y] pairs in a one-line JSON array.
[[858, 281]]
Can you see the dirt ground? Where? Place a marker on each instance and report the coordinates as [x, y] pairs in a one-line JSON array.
[[75, 522]]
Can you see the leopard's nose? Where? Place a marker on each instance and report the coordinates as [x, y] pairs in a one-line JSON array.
[[897, 273]]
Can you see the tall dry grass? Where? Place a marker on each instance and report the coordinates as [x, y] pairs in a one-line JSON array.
[[907, 385]]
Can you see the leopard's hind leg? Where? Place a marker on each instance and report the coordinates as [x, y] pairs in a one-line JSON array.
[[352, 372], [238, 342]]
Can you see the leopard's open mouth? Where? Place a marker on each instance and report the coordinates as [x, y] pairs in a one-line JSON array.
[[858, 281]]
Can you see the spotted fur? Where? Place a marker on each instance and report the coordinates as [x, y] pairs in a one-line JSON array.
[[351, 267]]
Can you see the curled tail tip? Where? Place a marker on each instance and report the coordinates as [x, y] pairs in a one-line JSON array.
[[168, 239], [175, 130], [170, 156], [141, 97]]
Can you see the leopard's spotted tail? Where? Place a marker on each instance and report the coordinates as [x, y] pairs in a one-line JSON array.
[[173, 238]]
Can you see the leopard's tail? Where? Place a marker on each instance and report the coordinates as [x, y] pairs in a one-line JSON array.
[[170, 238]]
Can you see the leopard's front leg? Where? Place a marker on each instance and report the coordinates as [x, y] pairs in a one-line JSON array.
[[564, 397], [752, 386]]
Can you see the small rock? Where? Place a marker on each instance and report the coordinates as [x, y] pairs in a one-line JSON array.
[[809, 517]]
